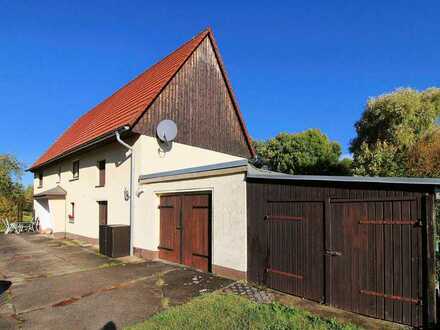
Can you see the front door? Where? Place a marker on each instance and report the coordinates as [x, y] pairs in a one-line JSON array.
[[185, 230]]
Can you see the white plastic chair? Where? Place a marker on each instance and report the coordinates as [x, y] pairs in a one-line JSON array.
[[10, 227]]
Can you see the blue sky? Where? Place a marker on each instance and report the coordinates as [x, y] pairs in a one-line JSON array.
[[294, 65]]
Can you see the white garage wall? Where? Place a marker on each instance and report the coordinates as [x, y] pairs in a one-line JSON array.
[[229, 246]]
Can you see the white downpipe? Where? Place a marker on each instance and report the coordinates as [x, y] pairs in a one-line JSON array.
[[118, 138]]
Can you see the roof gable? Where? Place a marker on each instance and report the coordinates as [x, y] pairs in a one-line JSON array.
[[201, 102], [122, 108]]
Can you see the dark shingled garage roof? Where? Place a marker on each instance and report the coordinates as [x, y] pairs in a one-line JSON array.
[[256, 173]]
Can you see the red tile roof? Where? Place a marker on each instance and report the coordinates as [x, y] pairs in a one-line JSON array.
[[125, 106]]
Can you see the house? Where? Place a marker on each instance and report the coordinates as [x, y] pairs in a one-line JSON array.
[[80, 180], [360, 244]]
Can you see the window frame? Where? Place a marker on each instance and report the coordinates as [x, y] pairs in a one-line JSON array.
[[75, 176], [72, 212], [59, 175], [100, 208], [40, 177], [102, 178]]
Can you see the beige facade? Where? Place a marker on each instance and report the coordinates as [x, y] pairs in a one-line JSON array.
[[150, 158], [84, 192], [228, 195]]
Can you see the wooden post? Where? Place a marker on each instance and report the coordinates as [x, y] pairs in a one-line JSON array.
[[430, 310]]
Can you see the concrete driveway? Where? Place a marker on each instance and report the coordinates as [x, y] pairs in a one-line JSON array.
[[62, 284]]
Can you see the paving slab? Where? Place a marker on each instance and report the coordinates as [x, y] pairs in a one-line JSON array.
[[59, 284], [29, 256], [126, 304], [119, 307], [49, 291]]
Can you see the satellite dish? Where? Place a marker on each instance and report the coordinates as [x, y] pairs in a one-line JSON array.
[[166, 130]]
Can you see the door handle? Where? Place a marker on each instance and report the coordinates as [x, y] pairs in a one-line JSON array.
[[333, 253], [179, 228]]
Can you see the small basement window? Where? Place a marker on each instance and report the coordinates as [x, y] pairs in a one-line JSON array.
[[75, 169]]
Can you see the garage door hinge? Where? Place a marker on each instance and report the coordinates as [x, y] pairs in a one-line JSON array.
[[420, 223], [333, 253]]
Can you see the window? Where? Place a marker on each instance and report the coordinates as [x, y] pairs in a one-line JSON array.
[[103, 212], [75, 169], [72, 213], [59, 175], [40, 179], [101, 170]]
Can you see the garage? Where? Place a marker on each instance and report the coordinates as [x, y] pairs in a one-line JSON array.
[[185, 227], [197, 218], [364, 245]]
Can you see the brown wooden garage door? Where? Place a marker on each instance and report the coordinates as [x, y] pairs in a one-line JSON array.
[[185, 230], [295, 245], [376, 268], [359, 255]]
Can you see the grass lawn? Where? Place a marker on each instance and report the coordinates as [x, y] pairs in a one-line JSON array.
[[27, 216], [228, 311]]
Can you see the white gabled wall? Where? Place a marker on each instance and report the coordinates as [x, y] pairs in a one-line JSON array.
[[151, 159]]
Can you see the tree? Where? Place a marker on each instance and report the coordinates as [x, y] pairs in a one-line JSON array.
[[424, 156], [380, 159], [11, 190], [28, 199], [398, 135], [390, 125], [424, 160], [344, 167], [308, 152], [10, 173]]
